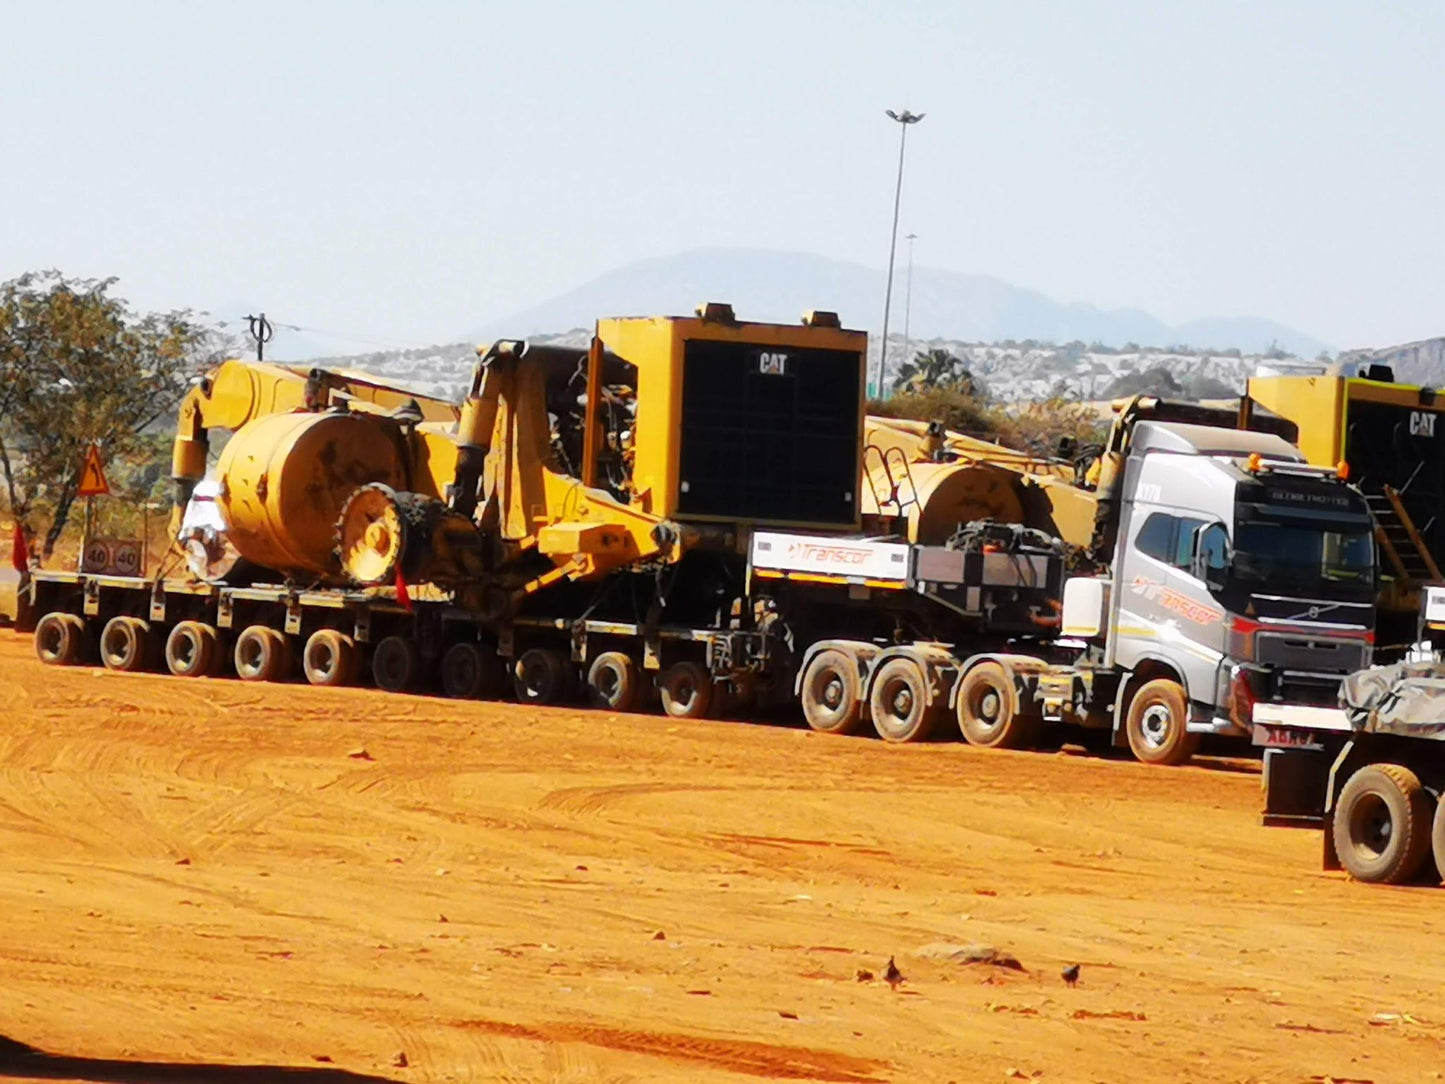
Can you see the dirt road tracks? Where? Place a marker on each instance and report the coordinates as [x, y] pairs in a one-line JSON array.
[[228, 884]]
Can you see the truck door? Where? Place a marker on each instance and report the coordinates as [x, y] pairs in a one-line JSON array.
[[1168, 613]]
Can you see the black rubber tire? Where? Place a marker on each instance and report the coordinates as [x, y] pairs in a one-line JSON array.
[[988, 710], [329, 658], [125, 645], [59, 639], [396, 664], [832, 693], [1156, 724], [743, 693], [614, 682], [899, 703], [192, 649], [541, 676], [686, 690], [1382, 825], [262, 654], [1437, 838], [470, 671]]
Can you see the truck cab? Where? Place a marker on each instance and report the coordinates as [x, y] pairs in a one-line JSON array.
[[1237, 567]]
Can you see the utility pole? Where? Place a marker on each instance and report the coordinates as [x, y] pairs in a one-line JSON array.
[[908, 298], [904, 119], [261, 332]]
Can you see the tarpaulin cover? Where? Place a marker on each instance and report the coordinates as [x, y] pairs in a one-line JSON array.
[[1406, 699]]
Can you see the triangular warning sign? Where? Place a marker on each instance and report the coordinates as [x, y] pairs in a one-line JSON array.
[[92, 476]]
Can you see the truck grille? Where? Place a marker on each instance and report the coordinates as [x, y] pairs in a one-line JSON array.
[[1313, 654]]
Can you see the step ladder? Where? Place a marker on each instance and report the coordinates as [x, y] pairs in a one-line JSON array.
[[1400, 540]]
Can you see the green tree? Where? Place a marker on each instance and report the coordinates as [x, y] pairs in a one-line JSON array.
[[938, 368], [79, 366]]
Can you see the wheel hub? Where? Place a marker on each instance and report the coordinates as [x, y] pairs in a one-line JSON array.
[[988, 707], [1154, 725], [903, 702], [1373, 826]]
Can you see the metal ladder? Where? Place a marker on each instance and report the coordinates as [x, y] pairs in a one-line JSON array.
[[1399, 539], [895, 482]]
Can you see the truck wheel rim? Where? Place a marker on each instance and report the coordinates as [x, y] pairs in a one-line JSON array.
[[832, 696], [185, 650], [117, 647], [251, 655], [1154, 725], [1371, 826], [901, 701], [52, 640], [323, 659], [987, 708]]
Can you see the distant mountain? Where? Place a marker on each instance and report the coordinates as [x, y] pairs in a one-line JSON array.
[[779, 286]]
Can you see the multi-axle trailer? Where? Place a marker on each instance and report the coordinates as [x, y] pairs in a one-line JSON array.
[[699, 506]]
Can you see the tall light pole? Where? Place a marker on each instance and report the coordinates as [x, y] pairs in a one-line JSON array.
[[908, 297], [904, 119]]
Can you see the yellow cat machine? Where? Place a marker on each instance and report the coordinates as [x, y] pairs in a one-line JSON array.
[[1391, 439], [580, 507]]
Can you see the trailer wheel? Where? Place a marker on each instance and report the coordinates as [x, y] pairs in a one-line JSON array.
[[124, 644], [329, 658], [988, 713], [1382, 824], [262, 654], [539, 676], [395, 664], [899, 702], [832, 698], [613, 682], [469, 671], [1157, 724], [1437, 838], [59, 639], [686, 690], [191, 649]]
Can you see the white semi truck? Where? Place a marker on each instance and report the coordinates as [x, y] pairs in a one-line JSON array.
[[1233, 574]]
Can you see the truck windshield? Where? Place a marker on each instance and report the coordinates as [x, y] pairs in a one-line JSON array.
[[1302, 553]]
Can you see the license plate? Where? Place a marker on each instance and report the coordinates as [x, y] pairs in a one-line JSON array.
[[1285, 737]]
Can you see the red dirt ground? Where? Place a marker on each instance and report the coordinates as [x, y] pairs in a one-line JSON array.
[[200, 875]]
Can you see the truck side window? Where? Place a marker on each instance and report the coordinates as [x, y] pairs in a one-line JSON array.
[[1156, 537], [1214, 546], [1184, 541]]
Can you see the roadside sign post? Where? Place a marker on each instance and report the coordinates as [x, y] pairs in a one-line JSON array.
[[92, 485]]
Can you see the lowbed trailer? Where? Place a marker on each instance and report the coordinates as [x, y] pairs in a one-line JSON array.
[[1370, 775]]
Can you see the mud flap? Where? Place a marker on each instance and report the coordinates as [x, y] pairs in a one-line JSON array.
[[1329, 858]]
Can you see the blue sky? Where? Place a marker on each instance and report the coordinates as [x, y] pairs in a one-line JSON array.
[[407, 171]]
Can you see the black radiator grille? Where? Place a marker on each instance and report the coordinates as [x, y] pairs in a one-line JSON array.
[[769, 433]]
